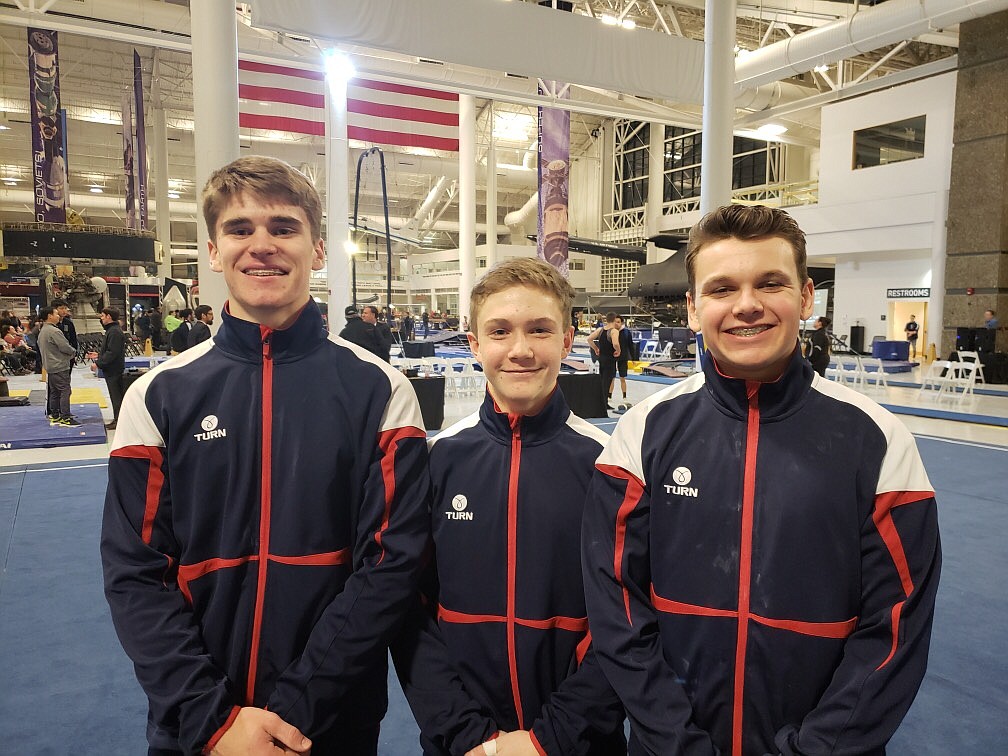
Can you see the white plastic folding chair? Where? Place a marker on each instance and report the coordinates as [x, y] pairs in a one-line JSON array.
[[937, 380], [968, 356], [475, 380], [963, 379], [835, 371], [650, 350], [873, 371], [852, 372]]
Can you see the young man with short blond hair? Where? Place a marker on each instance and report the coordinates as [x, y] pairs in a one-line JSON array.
[[509, 667], [760, 544]]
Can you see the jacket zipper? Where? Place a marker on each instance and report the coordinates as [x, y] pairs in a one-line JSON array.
[[512, 557], [265, 500], [745, 560]]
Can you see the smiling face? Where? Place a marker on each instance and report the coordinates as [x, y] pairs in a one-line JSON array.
[[747, 303], [266, 254], [520, 341]]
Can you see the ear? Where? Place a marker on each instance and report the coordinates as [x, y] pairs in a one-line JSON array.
[[318, 256], [568, 341], [215, 263], [808, 299], [691, 312], [473, 344]]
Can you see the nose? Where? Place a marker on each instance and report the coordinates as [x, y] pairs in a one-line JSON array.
[[747, 303], [261, 241], [521, 347]]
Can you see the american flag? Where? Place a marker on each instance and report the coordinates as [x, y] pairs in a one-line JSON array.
[[281, 98]]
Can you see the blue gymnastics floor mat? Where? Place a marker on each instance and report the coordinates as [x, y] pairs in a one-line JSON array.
[[28, 428]]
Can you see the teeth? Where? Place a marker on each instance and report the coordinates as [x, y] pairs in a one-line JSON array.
[[263, 273], [747, 331]]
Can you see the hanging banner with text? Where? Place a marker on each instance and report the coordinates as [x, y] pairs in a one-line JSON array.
[[49, 173], [554, 174], [129, 170], [140, 156]]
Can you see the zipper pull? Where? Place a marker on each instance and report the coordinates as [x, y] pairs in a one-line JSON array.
[[267, 347]]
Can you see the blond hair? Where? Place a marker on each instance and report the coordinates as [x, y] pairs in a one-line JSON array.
[[266, 179], [522, 271]]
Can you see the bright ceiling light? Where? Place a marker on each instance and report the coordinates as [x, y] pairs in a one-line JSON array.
[[821, 68], [771, 130], [173, 195], [338, 66], [96, 190], [4, 127], [608, 19], [628, 23], [513, 127], [10, 182], [350, 247]]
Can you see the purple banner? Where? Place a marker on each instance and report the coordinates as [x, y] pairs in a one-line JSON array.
[[49, 173], [141, 141], [127, 134], [554, 176]]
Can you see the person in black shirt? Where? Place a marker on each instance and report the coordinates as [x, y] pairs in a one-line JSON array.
[[111, 359], [604, 343], [624, 354], [200, 330], [911, 329], [819, 350], [359, 332]]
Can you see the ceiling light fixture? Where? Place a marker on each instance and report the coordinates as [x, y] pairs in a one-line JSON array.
[[609, 20], [10, 181], [173, 195], [771, 130], [95, 189], [628, 23]]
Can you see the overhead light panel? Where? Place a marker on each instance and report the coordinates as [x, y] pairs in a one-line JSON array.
[[771, 130], [173, 195], [95, 189]]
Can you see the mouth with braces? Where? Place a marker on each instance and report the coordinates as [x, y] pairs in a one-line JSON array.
[[753, 331]]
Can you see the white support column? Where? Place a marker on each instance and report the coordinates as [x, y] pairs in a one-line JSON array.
[[718, 105], [936, 305], [338, 256], [656, 187], [491, 194], [215, 111], [467, 200], [159, 147]]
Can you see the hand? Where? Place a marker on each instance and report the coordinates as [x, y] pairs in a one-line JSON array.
[[92, 355], [257, 732], [517, 743], [94, 368]]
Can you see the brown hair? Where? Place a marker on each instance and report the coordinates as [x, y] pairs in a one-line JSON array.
[[112, 312], [267, 180], [522, 271], [747, 223]]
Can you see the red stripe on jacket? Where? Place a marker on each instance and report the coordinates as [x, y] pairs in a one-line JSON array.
[[632, 496], [155, 481], [388, 442]]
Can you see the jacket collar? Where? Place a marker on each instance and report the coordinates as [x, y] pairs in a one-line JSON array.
[[533, 428], [776, 399], [243, 339]]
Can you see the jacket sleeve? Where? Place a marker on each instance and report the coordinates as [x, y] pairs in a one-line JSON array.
[[392, 522], [113, 349], [447, 715], [624, 624], [154, 622], [63, 344], [585, 703], [885, 658]]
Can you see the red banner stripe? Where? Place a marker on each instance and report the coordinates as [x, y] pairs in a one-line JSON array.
[[386, 86], [282, 123], [380, 110], [279, 94], [248, 65], [402, 139]]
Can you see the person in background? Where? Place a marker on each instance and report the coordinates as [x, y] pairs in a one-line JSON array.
[[57, 359], [990, 321], [604, 343], [819, 346], [623, 354], [500, 647], [425, 319], [200, 330], [180, 334], [760, 545], [383, 334], [911, 329], [266, 509], [157, 328], [408, 323], [111, 360], [360, 332], [66, 325]]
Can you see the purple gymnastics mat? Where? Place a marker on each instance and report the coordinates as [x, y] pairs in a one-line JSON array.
[[28, 428]]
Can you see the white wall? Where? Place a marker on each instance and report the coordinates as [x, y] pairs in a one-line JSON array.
[[860, 294]]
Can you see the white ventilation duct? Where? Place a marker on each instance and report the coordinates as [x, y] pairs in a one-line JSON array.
[[521, 215], [863, 31]]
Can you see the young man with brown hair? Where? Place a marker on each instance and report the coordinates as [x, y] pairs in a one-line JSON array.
[[509, 662], [760, 544], [266, 507]]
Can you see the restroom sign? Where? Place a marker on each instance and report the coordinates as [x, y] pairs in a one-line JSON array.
[[918, 293]]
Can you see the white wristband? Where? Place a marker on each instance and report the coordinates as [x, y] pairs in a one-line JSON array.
[[490, 748]]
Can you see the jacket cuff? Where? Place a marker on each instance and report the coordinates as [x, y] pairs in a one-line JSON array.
[[212, 743]]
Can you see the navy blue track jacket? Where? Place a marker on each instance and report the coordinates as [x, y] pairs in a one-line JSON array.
[[508, 496], [264, 524], [761, 562]]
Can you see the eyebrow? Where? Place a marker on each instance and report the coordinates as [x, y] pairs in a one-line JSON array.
[[498, 322], [273, 219], [723, 279]]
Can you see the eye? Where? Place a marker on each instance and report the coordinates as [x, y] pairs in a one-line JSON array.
[[773, 285]]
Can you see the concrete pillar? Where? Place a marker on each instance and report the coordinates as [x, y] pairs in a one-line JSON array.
[[491, 195], [215, 112], [656, 187], [159, 148], [977, 242], [338, 256], [718, 106], [467, 200]]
